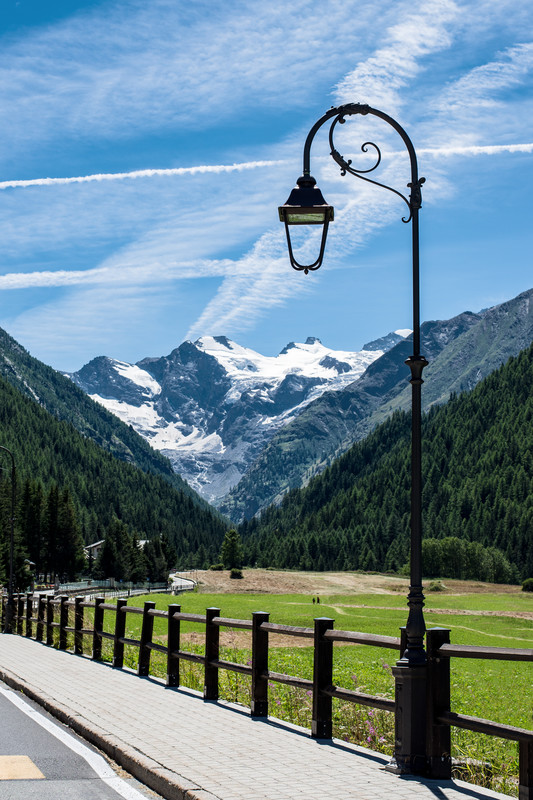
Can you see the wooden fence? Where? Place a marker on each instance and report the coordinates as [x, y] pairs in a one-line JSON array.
[[46, 615]]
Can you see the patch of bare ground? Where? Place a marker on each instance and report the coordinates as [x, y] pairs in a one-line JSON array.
[[266, 581]]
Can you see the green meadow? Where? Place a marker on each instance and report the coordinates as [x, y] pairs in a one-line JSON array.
[[496, 690]]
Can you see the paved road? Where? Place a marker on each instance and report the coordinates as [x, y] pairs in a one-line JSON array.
[[181, 583], [187, 749], [41, 759]]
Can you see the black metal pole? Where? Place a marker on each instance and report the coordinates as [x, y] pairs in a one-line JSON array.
[[8, 622], [416, 628], [410, 670]]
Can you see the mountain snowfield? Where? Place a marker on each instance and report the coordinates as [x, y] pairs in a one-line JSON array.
[[212, 405]]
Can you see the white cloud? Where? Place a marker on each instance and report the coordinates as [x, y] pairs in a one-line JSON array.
[[118, 72], [483, 87], [489, 100], [424, 29]]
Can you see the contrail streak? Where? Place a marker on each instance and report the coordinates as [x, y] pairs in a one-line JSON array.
[[140, 173], [245, 165], [478, 150]]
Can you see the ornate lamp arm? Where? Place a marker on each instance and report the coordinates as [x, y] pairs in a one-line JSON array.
[[339, 115]]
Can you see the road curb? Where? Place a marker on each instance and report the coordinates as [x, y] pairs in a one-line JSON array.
[[160, 779]]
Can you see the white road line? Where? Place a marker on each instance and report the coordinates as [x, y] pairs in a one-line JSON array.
[[98, 764]]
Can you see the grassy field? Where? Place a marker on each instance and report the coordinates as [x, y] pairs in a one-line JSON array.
[[476, 614]]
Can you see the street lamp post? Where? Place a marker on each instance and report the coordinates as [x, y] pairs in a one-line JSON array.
[[8, 620], [306, 206]]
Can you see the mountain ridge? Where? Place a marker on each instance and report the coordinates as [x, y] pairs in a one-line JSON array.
[[212, 405], [478, 343]]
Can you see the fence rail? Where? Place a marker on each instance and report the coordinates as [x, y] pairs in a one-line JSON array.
[[51, 614]]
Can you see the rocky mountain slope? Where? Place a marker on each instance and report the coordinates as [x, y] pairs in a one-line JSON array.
[[243, 428], [211, 406], [461, 352]]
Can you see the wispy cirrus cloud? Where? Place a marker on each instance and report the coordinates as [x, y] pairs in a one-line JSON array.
[[424, 29], [118, 71], [485, 99], [144, 236], [483, 86]]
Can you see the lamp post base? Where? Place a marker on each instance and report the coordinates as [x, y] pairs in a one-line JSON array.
[[410, 719]]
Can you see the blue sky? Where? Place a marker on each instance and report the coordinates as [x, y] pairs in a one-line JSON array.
[[182, 125]]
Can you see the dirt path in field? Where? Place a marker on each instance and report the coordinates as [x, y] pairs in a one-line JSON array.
[[461, 611]]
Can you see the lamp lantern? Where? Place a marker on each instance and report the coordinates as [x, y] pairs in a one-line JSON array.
[[306, 206]]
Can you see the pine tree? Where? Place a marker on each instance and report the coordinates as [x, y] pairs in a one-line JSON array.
[[231, 554]]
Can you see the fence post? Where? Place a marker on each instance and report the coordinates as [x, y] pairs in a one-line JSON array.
[[525, 770], [29, 614], [259, 704], [438, 688], [146, 639], [403, 640], [41, 606], [212, 641], [78, 625], [63, 621], [98, 628], [20, 614], [173, 645], [322, 679], [120, 632], [49, 620]]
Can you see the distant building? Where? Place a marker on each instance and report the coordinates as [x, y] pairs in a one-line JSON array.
[[92, 551]]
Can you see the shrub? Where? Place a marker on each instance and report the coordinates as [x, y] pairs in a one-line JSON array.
[[436, 586], [217, 567], [235, 573], [527, 586]]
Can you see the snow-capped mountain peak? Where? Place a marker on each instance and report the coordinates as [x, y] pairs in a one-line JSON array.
[[212, 405], [310, 358]]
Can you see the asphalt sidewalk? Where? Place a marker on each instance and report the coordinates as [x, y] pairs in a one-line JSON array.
[[188, 749]]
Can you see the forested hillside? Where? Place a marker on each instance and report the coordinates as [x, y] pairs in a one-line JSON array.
[[58, 395], [68, 487], [461, 352], [478, 487]]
